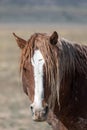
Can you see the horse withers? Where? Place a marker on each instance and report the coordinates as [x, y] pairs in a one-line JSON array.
[[54, 76]]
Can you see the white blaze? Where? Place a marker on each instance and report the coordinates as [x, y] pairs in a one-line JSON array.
[[38, 62]]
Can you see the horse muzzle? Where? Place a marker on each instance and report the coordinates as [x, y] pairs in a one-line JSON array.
[[39, 114]]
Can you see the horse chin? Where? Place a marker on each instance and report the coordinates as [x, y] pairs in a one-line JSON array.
[[41, 119]]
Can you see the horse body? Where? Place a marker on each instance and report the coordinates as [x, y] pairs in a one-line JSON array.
[[63, 78]]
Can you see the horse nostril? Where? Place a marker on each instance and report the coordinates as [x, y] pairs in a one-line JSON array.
[[31, 107], [46, 109]]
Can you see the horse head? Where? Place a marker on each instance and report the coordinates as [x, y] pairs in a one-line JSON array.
[[39, 68]]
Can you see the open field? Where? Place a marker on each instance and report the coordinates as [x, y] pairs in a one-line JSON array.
[[65, 13], [14, 104]]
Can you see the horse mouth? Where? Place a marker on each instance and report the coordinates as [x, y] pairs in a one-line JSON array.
[[39, 119]]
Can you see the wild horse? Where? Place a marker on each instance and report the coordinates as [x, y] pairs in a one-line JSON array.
[[54, 76]]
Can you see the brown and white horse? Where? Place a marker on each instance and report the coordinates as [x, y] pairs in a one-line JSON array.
[[54, 76]]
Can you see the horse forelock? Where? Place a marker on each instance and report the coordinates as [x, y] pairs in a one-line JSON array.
[[50, 55]]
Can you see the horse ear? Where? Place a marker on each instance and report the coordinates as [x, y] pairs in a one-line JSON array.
[[21, 42], [54, 38]]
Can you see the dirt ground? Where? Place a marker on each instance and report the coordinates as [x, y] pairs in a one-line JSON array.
[[14, 104]]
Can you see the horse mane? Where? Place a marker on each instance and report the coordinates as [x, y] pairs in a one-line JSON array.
[[72, 69], [62, 61], [73, 57]]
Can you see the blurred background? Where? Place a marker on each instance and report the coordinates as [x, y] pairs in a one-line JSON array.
[[25, 17]]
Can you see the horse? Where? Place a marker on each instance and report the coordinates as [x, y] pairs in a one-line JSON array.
[[54, 77]]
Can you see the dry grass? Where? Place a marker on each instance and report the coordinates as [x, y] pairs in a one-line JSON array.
[[14, 104]]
